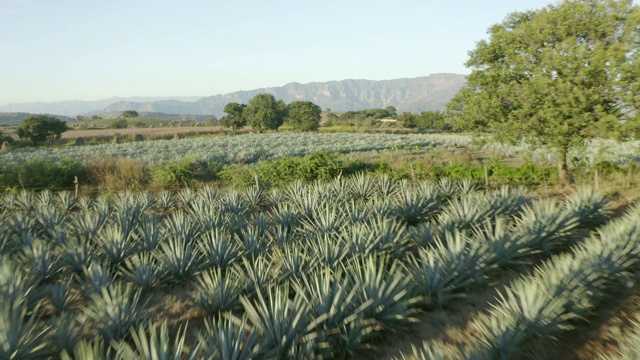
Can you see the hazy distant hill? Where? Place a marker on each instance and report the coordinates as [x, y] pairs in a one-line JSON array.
[[15, 118], [416, 94], [79, 107]]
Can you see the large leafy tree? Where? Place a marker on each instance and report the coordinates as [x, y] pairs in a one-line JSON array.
[[235, 118], [555, 76], [264, 112], [38, 128], [304, 115]]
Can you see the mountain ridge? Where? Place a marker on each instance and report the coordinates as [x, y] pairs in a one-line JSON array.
[[416, 94]]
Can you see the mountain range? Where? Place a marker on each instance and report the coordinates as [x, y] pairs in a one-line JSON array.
[[407, 94]]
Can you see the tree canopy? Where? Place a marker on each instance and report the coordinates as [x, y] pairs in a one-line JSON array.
[[555, 76], [264, 112], [130, 114], [304, 115], [234, 118], [38, 128]]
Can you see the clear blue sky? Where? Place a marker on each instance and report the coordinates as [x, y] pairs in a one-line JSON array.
[[93, 49]]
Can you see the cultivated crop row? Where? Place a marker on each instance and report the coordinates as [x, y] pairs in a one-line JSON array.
[[308, 271], [251, 148]]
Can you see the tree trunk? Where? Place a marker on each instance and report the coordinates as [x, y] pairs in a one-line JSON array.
[[563, 169]]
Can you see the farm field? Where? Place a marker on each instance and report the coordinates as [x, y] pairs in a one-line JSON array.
[[250, 148], [325, 269], [150, 132]]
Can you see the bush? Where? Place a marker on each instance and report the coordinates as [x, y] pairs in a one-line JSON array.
[[174, 172], [118, 173], [42, 174]]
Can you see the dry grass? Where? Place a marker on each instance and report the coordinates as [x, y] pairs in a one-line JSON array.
[[146, 132]]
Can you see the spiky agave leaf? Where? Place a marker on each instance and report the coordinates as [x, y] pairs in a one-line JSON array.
[[86, 224], [260, 272], [179, 260], [185, 196], [229, 338], [589, 205], [94, 350], [21, 336], [329, 250], [433, 350], [76, 254], [141, 269], [24, 228], [543, 225], [165, 201], [254, 237], [325, 220], [66, 201], [149, 231], [96, 277], [412, 207], [68, 333], [40, 261], [115, 310], [115, 243], [15, 286], [217, 291], [391, 292], [24, 200], [362, 187], [209, 194], [219, 248], [285, 324], [253, 198], [61, 296], [443, 272], [330, 296], [151, 342], [293, 261]]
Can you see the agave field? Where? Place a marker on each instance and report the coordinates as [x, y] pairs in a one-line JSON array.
[[321, 270], [251, 148]]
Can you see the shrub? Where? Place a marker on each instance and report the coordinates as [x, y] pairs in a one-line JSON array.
[[174, 172], [118, 173]]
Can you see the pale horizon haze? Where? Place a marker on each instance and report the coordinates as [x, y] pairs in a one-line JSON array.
[[52, 50]]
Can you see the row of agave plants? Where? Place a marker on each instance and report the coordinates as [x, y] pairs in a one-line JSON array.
[[562, 292], [311, 271]]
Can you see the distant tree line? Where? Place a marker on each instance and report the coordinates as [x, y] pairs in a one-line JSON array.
[[264, 112]]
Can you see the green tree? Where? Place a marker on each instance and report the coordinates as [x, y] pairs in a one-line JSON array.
[[433, 119], [212, 121], [235, 118], [407, 119], [264, 112], [304, 115], [555, 76], [130, 114], [38, 128], [119, 124]]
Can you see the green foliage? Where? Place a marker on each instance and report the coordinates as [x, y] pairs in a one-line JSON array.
[[280, 172], [264, 112], [234, 118], [366, 117], [212, 121], [304, 115], [38, 128], [118, 124], [174, 172], [408, 120], [130, 114], [555, 76], [42, 174]]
